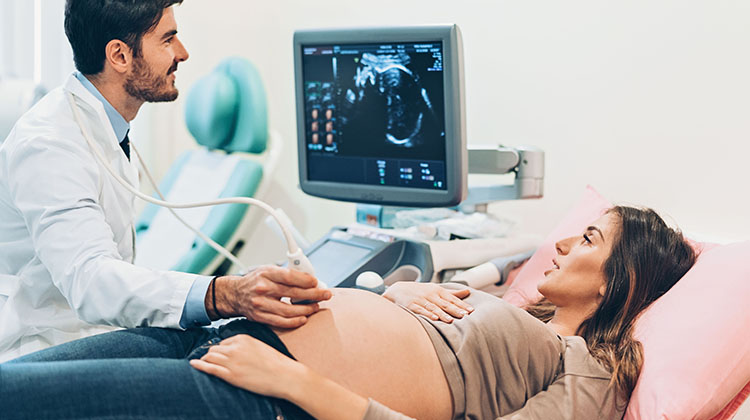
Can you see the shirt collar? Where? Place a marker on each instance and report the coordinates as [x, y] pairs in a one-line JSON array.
[[119, 125]]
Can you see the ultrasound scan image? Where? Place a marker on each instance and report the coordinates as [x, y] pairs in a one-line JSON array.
[[385, 82], [375, 113], [385, 101]]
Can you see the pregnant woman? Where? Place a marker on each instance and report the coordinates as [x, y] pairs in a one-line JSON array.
[[362, 356]]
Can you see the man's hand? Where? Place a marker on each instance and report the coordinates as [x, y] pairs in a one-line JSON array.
[[430, 300], [257, 296]]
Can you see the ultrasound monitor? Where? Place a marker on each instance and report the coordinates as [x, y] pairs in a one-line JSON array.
[[380, 115]]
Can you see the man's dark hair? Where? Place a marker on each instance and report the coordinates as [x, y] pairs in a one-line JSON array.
[[91, 24]]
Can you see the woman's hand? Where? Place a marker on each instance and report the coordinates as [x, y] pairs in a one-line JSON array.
[[430, 300], [251, 364], [248, 363]]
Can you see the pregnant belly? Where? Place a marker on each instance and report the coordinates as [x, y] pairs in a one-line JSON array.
[[376, 349]]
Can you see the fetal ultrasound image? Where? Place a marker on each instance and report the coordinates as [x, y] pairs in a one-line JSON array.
[[388, 106], [385, 102], [375, 114]]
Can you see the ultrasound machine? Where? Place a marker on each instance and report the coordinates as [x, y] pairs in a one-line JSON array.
[[381, 122]]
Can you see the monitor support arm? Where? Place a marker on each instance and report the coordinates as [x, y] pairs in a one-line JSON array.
[[526, 163]]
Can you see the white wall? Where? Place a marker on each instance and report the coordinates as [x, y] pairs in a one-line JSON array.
[[647, 101], [32, 42], [55, 55], [17, 40]]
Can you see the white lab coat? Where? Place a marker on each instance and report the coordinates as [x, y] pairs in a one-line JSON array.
[[66, 233]]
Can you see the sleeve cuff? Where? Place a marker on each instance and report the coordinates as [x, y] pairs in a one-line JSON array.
[[507, 263], [194, 312]]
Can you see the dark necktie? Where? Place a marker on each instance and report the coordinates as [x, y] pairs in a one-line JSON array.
[[125, 144]]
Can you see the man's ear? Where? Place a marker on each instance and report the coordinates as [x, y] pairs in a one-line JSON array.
[[118, 55]]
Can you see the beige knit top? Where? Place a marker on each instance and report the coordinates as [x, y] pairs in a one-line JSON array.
[[502, 363]]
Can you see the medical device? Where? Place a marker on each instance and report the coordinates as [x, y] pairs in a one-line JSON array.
[[381, 120], [296, 258], [380, 115]]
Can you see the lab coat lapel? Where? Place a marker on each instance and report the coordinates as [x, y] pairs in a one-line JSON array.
[[108, 142], [104, 137]]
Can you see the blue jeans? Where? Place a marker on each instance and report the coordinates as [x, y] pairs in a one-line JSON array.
[[135, 374]]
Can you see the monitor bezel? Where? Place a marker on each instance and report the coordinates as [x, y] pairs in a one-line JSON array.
[[455, 127]]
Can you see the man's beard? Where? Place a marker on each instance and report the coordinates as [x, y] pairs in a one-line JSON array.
[[143, 84]]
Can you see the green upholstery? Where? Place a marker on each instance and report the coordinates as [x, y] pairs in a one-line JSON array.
[[210, 113], [223, 220], [226, 110]]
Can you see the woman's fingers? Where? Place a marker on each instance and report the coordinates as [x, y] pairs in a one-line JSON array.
[[436, 308], [460, 293], [446, 304], [456, 299], [431, 300], [216, 356], [211, 369], [451, 309], [421, 310]]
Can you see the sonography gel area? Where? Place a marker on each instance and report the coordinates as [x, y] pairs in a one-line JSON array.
[[374, 114]]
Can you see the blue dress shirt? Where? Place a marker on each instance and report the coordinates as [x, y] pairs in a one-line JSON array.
[[194, 311]]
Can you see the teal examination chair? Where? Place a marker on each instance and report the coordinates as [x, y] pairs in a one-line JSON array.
[[226, 113]]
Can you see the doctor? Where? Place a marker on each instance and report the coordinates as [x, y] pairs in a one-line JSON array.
[[66, 227]]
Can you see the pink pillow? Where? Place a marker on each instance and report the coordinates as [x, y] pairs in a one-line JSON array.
[[696, 345], [733, 407], [696, 341]]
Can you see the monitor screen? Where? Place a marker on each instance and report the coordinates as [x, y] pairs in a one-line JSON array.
[[374, 113], [380, 116]]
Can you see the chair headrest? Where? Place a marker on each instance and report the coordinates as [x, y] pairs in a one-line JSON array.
[[226, 109]]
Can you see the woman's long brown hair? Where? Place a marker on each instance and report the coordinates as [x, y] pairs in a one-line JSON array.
[[647, 259]]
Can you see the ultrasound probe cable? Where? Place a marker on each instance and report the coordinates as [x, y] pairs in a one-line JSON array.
[[296, 258]]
